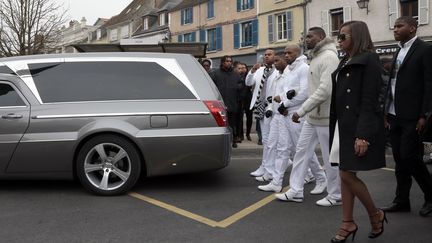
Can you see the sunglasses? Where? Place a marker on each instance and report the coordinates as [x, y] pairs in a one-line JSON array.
[[343, 37]]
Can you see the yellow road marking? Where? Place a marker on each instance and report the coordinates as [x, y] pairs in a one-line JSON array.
[[221, 224], [174, 209], [243, 213]]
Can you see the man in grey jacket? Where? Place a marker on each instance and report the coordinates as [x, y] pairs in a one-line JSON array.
[[316, 127]]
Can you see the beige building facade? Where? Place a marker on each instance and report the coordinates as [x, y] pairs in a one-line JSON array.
[[230, 27], [281, 22]]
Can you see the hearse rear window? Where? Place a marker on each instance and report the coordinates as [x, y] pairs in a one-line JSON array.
[[103, 81]]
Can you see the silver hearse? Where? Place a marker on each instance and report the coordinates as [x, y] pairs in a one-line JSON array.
[[107, 118]]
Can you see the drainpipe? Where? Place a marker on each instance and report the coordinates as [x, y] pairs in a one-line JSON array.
[[305, 2]]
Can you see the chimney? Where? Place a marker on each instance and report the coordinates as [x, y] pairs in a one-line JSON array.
[[71, 23], [83, 22]]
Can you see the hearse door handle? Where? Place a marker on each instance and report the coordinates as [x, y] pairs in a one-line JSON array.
[[12, 116]]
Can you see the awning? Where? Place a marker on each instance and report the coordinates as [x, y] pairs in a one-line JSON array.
[[196, 49]]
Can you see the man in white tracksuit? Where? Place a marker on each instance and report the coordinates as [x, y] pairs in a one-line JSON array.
[[316, 127], [290, 93], [262, 86]]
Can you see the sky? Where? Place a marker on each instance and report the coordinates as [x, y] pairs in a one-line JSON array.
[[92, 9]]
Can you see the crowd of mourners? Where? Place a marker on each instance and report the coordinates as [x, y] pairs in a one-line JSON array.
[[346, 106]]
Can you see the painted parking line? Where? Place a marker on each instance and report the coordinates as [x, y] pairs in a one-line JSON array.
[[174, 209], [221, 224]]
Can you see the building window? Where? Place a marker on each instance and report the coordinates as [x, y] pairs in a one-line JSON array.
[[186, 16], [211, 40], [281, 27], [98, 34], [409, 8], [113, 35], [213, 37], [337, 19], [246, 34], [188, 37], [145, 23], [124, 31], [210, 9], [244, 5], [162, 19]]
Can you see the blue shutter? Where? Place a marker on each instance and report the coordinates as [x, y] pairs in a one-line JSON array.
[[238, 5], [255, 32], [236, 35], [251, 4], [202, 36], [219, 38], [180, 38], [193, 36], [182, 17], [210, 9], [191, 15], [270, 29], [289, 25]]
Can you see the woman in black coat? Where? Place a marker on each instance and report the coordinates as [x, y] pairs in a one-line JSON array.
[[357, 125]]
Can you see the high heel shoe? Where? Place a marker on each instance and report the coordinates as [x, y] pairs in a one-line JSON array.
[[373, 235], [342, 238]]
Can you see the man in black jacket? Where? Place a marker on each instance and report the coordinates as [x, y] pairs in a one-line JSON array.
[[408, 101], [228, 82]]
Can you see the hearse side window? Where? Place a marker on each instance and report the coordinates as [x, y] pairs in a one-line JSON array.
[[9, 96], [101, 81], [5, 69]]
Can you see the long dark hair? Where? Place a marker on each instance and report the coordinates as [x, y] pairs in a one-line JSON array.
[[360, 37]]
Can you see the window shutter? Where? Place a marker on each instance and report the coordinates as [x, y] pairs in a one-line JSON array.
[[270, 29], [210, 9], [219, 38], [423, 12], [255, 32], [193, 37], [236, 35], [238, 5], [325, 21], [346, 14], [202, 35], [191, 15], [251, 4], [289, 25], [180, 38], [182, 17], [393, 12]]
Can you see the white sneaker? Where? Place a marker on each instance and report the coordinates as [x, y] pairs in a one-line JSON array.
[[258, 172], [270, 188], [309, 179], [264, 178], [289, 197], [319, 188], [328, 202]]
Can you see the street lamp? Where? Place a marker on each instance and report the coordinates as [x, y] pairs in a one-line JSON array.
[[363, 4]]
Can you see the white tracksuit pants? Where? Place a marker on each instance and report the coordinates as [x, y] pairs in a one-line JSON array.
[[310, 135], [283, 137], [268, 156]]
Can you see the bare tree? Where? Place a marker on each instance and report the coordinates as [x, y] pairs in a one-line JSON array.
[[29, 26]]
